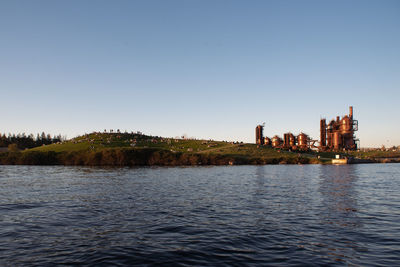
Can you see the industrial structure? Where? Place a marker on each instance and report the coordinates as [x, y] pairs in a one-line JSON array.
[[335, 136], [289, 141], [260, 134], [339, 133]]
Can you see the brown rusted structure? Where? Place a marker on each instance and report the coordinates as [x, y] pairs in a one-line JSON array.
[[302, 141], [259, 135], [276, 141], [339, 133], [289, 141], [267, 141], [323, 133]]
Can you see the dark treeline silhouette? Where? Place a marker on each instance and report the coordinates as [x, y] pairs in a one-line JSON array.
[[135, 157], [28, 141]]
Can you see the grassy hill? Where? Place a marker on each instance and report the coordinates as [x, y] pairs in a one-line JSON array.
[[130, 149], [133, 149], [100, 141]]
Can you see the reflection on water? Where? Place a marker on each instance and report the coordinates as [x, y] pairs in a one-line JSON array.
[[339, 211], [208, 216], [338, 195]]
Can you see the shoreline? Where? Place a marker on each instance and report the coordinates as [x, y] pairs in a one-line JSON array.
[[136, 149], [153, 157]]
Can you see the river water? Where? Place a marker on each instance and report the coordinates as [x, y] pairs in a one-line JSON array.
[[277, 215]]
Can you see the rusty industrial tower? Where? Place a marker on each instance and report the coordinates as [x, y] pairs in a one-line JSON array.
[[260, 134], [339, 133]]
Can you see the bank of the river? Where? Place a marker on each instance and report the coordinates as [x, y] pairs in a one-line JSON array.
[[132, 149], [146, 157]]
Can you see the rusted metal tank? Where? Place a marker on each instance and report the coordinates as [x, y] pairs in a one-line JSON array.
[[259, 135], [329, 134], [292, 140], [336, 140], [348, 141], [302, 141], [276, 141], [289, 140], [346, 125], [286, 140], [322, 141], [267, 141]]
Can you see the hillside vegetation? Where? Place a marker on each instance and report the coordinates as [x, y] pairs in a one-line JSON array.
[[135, 149], [131, 149]]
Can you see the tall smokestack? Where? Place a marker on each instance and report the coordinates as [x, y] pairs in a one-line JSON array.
[[322, 142], [351, 112], [259, 135]]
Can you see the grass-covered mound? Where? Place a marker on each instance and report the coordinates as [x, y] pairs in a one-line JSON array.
[[131, 149]]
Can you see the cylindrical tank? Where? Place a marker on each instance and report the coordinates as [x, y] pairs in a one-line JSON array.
[[346, 125], [336, 140], [323, 133], [302, 139], [329, 134], [292, 140], [276, 141], [289, 140], [259, 135], [286, 140], [267, 141], [348, 141]]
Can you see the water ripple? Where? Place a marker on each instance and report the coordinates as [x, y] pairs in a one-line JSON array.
[[204, 216]]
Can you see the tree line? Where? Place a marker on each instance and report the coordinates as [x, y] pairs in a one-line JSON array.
[[23, 140], [137, 157]]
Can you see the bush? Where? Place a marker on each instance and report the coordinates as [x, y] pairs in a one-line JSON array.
[[137, 157], [13, 148]]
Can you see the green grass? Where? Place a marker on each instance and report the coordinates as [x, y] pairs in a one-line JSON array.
[[102, 141], [376, 154], [66, 147], [98, 142]]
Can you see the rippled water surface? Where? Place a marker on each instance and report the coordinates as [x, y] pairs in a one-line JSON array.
[[215, 216]]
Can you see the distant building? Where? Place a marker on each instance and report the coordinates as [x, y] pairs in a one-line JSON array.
[[259, 135]]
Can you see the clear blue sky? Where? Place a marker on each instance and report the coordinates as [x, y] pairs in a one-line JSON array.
[[208, 69]]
